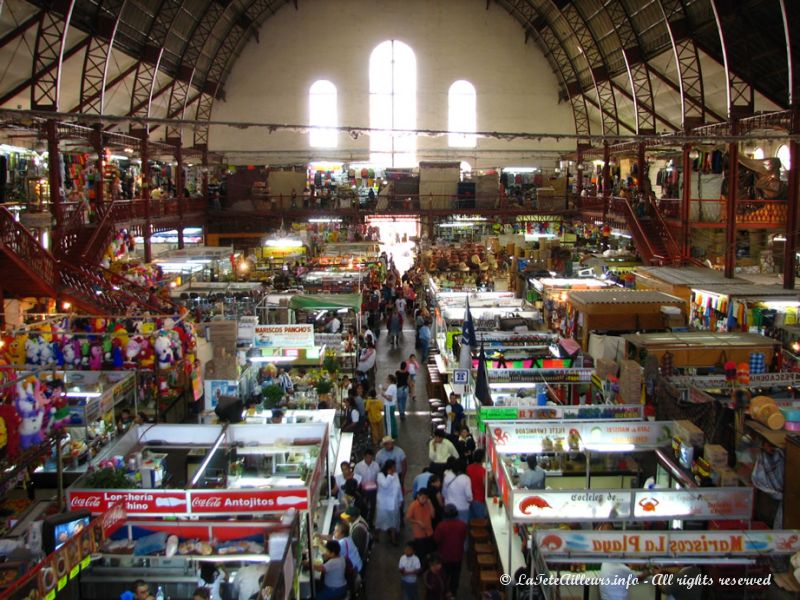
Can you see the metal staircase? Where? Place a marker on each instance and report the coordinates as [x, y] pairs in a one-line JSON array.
[[27, 269]]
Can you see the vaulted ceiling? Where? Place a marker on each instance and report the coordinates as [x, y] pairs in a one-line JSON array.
[[625, 66]]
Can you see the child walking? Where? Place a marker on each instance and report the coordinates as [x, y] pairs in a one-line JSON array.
[[410, 568]]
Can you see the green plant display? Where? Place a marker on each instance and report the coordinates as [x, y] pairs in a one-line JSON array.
[[331, 365], [324, 387], [272, 394], [108, 478]]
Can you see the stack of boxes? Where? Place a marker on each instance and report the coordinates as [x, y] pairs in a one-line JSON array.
[[630, 382], [721, 473]]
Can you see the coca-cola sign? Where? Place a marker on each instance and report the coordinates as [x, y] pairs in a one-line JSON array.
[[246, 501], [135, 502]]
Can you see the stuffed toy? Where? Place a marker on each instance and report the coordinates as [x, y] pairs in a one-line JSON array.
[[163, 351], [60, 404], [85, 350], [147, 356], [9, 431], [117, 357], [108, 347], [45, 352], [32, 351], [133, 351], [31, 414], [58, 353], [96, 357]]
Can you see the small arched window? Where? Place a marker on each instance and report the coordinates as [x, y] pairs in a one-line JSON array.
[[462, 114], [758, 153], [323, 115]]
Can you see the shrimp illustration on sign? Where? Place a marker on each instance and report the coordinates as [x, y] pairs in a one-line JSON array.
[[551, 542], [528, 503], [500, 436], [648, 504], [787, 543]]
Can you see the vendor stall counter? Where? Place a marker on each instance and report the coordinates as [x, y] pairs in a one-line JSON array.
[[743, 307]]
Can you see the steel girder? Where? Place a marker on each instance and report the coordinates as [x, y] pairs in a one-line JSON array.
[[98, 54], [191, 53], [48, 54], [687, 63], [20, 29], [589, 51], [144, 82], [555, 53], [220, 65], [790, 34], [638, 71], [740, 97]]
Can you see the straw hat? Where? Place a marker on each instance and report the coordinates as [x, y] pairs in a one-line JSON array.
[[462, 266], [475, 259], [484, 267], [386, 439]]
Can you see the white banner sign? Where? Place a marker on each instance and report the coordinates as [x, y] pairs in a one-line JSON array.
[[677, 544], [707, 382], [577, 436], [284, 336], [698, 504]]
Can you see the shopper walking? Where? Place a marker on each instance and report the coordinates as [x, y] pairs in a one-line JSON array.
[[435, 580], [424, 336], [392, 451], [389, 396], [410, 568], [477, 476], [420, 515], [368, 469], [413, 369], [457, 488], [389, 499], [394, 323], [450, 536], [365, 368], [402, 377], [440, 449], [374, 409]]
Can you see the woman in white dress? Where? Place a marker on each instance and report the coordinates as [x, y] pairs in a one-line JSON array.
[[389, 498]]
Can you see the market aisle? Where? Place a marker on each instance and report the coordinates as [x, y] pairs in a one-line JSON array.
[[383, 579]]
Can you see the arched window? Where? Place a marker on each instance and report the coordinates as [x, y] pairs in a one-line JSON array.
[[758, 153], [462, 114], [393, 104], [322, 113], [783, 154]]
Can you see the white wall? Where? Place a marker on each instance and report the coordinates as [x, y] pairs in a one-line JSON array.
[[453, 39]]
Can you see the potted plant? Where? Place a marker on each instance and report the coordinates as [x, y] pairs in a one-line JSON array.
[[330, 364], [272, 394], [324, 387]]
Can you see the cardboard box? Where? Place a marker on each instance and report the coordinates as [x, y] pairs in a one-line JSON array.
[[716, 455], [726, 477], [690, 433], [604, 367]]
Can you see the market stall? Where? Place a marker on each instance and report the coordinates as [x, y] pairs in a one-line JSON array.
[[700, 349], [621, 311], [174, 557], [743, 307], [550, 294], [679, 281]]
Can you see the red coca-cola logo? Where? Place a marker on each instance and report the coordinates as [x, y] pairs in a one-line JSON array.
[[206, 502], [86, 502]]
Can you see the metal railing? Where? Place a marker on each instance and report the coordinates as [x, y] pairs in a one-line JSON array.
[[26, 250]]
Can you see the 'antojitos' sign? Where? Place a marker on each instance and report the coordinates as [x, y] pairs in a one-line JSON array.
[[621, 544]]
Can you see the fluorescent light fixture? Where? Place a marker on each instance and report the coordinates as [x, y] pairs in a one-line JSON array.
[[620, 234], [779, 238], [782, 304], [208, 458], [83, 394], [284, 243], [325, 220], [320, 314], [521, 169], [342, 311], [454, 225], [513, 385], [272, 359], [610, 447]]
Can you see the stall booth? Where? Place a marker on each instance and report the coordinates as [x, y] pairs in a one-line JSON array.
[[595, 474], [538, 386], [203, 263], [621, 311], [175, 556], [210, 471], [679, 281], [743, 307], [550, 294], [701, 349]]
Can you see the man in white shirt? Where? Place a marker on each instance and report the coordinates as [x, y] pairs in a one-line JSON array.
[[457, 490], [617, 579], [368, 469], [395, 453], [285, 381], [347, 473], [439, 450]]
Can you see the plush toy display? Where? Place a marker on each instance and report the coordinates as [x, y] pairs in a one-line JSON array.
[[29, 408]]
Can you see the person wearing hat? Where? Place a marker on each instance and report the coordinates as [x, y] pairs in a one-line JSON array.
[[390, 451], [450, 536]]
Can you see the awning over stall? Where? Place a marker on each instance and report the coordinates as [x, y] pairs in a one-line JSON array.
[[326, 302]]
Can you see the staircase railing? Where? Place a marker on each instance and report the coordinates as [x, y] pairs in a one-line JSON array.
[[640, 237], [664, 233], [103, 234], [26, 250]]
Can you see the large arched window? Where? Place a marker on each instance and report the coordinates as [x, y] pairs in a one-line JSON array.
[[322, 113], [462, 114], [393, 104], [783, 154]]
